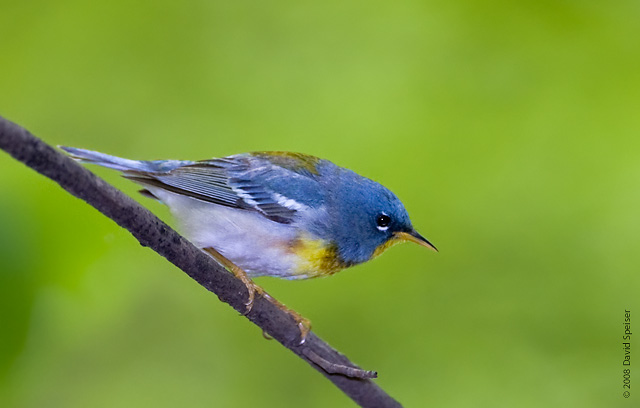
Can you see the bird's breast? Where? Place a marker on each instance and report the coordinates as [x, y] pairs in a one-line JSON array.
[[315, 257], [257, 245]]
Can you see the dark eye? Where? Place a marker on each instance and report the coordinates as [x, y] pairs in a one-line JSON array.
[[383, 221]]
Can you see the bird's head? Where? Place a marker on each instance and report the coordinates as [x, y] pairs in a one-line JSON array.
[[368, 219]]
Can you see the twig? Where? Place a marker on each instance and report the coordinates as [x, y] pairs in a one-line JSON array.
[[333, 368], [157, 235]]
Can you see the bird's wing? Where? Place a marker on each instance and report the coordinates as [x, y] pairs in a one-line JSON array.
[[248, 182]]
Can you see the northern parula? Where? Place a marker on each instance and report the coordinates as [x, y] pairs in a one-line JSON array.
[[281, 214]]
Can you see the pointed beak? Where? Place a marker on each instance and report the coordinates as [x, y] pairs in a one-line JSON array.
[[413, 236]]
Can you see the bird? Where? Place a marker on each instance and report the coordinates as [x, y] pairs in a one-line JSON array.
[[272, 213]]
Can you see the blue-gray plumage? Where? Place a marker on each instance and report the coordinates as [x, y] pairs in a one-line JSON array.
[[274, 213]]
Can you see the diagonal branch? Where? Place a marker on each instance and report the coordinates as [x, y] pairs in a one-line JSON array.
[[157, 235]]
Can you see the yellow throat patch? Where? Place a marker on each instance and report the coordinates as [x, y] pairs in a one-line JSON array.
[[381, 248], [316, 257]]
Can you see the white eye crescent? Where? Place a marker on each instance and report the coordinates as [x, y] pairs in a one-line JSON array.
[[383, 221]]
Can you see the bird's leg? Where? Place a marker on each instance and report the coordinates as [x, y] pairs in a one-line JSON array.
[[252, 288], [304, 324]]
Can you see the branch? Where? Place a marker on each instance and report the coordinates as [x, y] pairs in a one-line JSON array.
[[155, 234]]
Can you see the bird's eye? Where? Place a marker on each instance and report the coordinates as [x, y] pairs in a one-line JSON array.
[[383, 221]]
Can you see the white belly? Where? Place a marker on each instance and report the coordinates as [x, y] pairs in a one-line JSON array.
[[254, 243]]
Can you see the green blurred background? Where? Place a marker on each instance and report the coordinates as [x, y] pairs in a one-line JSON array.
[[509, 129]]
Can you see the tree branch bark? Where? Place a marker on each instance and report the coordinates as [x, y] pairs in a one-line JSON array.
[[155, 234]]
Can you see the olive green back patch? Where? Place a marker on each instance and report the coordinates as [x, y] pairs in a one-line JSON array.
[[297, 162]]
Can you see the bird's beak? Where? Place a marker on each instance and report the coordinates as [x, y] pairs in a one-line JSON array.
[[413, 236]]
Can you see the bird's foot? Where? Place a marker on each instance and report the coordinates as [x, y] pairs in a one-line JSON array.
[[304, 324], [252, 288]]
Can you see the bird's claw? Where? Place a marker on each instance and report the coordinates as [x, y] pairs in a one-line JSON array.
[[304, 324], [252, 289]]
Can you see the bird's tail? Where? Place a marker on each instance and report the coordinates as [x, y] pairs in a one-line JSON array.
[[118, 163]]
